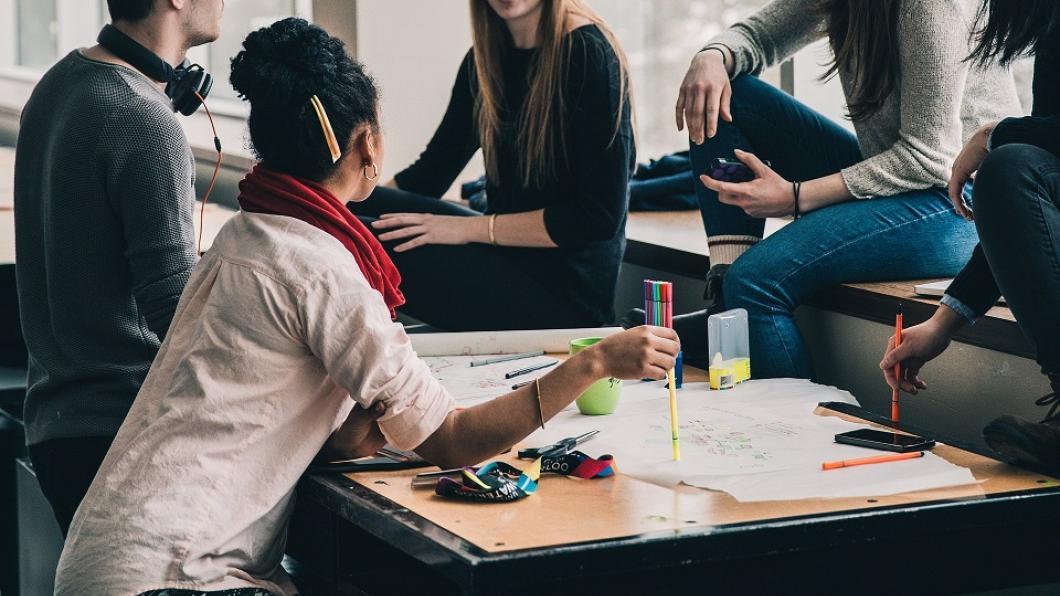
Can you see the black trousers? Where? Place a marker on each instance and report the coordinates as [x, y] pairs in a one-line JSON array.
[[236, 592], [472, 287], [1017, 214], [65, 469]]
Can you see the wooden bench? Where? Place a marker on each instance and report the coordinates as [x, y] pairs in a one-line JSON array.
[[674, 242]]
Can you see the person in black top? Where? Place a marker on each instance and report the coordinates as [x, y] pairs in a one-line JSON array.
[[1016, 202], [544, 94]]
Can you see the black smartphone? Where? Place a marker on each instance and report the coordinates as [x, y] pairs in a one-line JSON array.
[[880, 439], [731, 170]]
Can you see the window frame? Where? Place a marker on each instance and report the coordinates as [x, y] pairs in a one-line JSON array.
[[17, 82]]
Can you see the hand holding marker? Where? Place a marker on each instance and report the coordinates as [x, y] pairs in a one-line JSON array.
[[658, 308]]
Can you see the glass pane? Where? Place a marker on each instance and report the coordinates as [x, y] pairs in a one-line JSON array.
[[240, 18], [660, 39], [37, 33]]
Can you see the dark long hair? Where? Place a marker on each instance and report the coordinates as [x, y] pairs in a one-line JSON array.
[[541, 135], [1009, 29], [864, 39]]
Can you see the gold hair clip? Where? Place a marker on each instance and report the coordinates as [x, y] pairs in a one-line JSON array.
[[325, 124]]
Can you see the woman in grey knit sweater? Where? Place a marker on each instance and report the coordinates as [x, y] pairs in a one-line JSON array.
[[868, 207]]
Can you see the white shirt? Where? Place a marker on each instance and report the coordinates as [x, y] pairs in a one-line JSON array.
[[274, 334]]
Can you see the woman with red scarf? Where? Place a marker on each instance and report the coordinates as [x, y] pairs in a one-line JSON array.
[[284, 344]]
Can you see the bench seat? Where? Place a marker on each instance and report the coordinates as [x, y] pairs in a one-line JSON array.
[[673, 242]]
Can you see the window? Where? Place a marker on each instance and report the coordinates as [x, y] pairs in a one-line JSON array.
[[40, 32], [37, 26], [241, 17], [660, 39], [36, 33]]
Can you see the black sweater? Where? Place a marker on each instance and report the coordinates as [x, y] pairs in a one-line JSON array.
[[585, 205], [975, 286]]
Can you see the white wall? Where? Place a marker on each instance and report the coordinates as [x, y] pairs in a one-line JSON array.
[[827, 98], [413, 48]]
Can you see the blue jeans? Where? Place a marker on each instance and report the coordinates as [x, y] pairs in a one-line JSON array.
[[912, 235]]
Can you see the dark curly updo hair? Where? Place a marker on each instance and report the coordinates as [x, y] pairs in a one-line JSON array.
[[280, 67]]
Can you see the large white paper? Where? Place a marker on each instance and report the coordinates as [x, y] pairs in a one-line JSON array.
[[473, 385], [476, 343], [758, 442]]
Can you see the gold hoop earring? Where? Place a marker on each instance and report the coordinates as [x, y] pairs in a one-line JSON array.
[[375, 172]]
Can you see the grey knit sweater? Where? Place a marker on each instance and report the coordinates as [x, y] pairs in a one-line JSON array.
[[103, 238], [939, 101]]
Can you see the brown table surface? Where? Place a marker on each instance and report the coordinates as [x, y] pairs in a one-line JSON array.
[[623, 506]]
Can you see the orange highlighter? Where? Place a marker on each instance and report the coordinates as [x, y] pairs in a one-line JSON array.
[[879, 459], [898, 366]]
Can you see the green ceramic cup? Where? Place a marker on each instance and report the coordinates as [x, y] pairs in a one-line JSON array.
[[602, 396]]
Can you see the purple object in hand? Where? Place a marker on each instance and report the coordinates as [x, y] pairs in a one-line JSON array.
[[729, 170]]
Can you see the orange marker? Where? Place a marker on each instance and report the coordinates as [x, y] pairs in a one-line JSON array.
[[879, 459], [898, 366]]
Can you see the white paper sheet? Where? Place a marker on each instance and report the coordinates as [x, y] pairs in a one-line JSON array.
[[473, 385], [480, 343], [758, 442]]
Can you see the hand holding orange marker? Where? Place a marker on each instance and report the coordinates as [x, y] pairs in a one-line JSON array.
[[878, 459], [898, 366]]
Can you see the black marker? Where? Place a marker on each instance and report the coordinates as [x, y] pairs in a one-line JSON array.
[[529, 369]]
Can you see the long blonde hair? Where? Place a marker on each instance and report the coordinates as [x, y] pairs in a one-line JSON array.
[[541, 136]]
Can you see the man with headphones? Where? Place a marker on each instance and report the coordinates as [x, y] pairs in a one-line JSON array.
[[104, 198]]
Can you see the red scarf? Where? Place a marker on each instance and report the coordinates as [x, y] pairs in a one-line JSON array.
[[265, 191]]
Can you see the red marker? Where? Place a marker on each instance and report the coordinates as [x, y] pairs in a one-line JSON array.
[[897, 366], [879, 459]]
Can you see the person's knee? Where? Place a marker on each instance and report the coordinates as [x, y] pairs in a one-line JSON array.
[[746, 85], [1008, 175], [750, 284], [748, 92]]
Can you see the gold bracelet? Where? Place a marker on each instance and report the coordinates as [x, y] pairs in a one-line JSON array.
[[493, 232], [540, 408]]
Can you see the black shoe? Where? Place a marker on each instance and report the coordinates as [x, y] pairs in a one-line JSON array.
[[712, 293], [1053, 401], [1023, 441], [633, 318]]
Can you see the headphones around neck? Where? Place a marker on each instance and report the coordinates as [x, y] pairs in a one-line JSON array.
[[186, 85]]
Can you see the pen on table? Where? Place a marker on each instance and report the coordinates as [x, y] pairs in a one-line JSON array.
[[529, 369], [523, 384], [506, 358], [878, 459], [431, 478], [562, 446], [897, 367]]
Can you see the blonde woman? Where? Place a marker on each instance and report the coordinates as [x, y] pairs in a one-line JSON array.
[[544, 93]]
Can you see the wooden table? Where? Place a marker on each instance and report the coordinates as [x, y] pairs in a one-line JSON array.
[[373, 532]]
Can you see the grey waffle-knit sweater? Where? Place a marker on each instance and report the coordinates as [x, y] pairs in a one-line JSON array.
[[939, 101], [104, 241]]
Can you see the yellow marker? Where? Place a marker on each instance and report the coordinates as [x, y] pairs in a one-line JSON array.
[[673, 414]]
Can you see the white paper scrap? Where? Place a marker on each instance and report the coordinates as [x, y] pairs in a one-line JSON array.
[[892, 478], [760, 441], [470, 385]]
